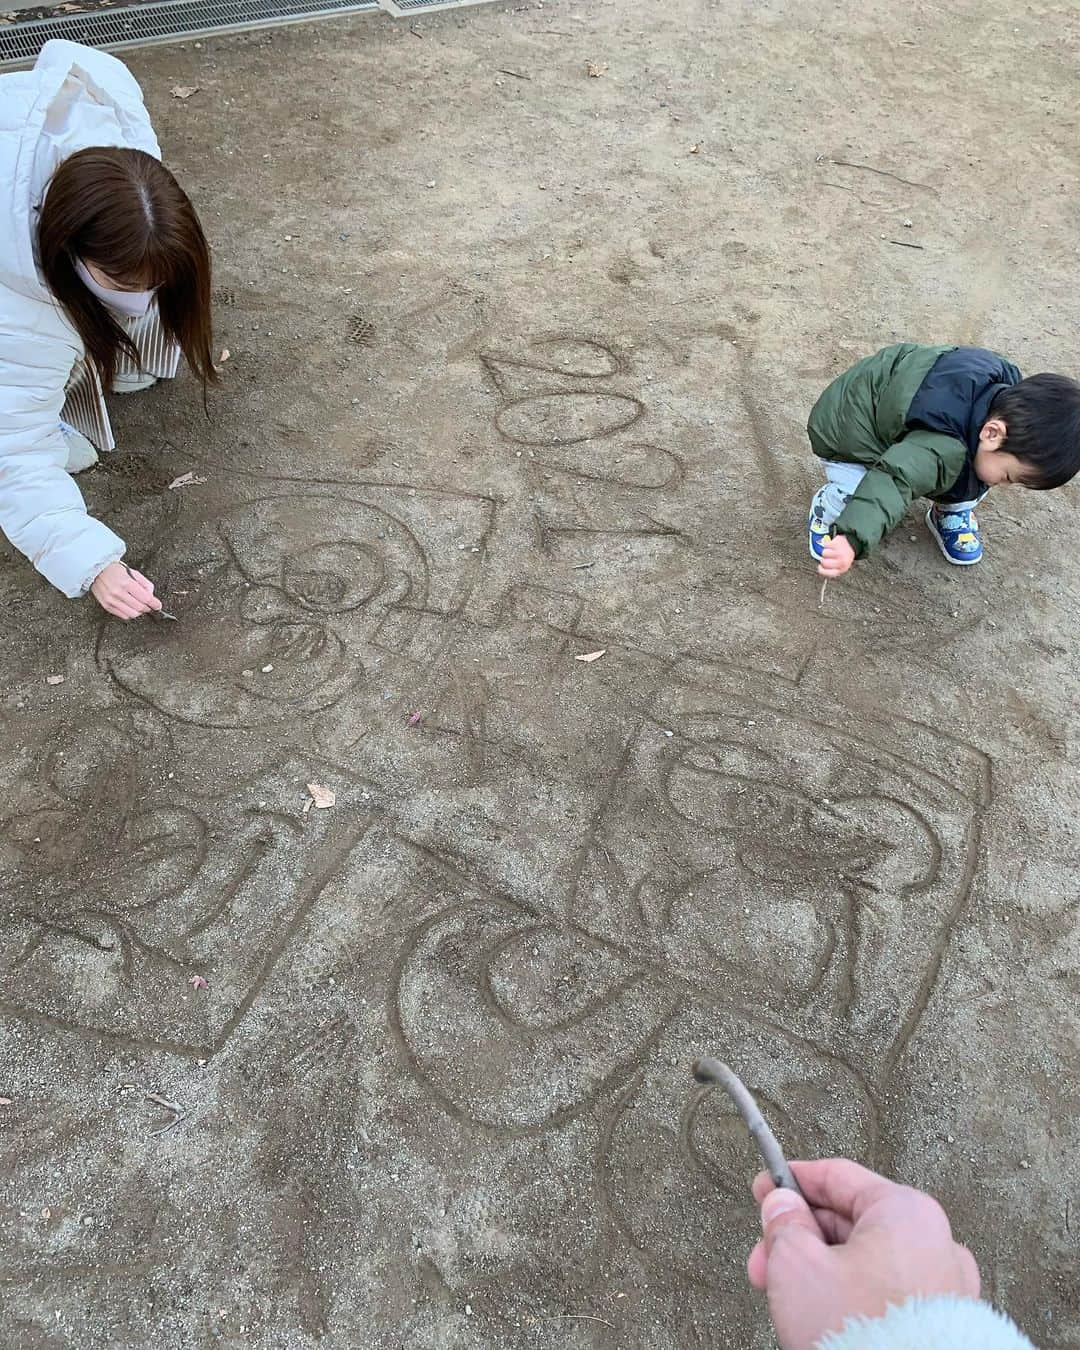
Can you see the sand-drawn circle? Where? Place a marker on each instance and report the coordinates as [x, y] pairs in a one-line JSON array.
[[627, 464], [566, 418], [575, 357], [334, 577], [272, 622]]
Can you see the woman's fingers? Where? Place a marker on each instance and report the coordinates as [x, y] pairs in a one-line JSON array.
[[143, 589]]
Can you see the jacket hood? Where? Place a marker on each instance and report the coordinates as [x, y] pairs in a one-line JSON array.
[[74, 98]]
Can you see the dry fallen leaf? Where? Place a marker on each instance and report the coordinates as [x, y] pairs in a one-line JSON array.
[[414, 719], [695, 149], [594, 69], [197, 982], [184, 90], [225, 354], [186, 480], [54, 679], [589, 657], [321, 797]]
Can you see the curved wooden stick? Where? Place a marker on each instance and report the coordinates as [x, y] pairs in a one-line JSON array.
[[708, 1070]]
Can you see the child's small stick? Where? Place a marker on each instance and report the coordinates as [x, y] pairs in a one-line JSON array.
[[821, 597], [708, 1070]]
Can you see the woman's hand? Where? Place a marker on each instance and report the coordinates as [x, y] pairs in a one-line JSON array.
[[888, 1244], [837, 555], [122, 591]]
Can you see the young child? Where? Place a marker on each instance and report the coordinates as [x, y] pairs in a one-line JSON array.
[[947, 423]]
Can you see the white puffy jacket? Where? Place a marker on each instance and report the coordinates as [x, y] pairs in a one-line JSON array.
[[943, 1323], [74, 98]]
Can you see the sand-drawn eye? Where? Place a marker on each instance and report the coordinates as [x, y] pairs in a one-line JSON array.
[[333, 577]]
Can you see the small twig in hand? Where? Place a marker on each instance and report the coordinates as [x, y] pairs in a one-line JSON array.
[[708, 1070], [821, 597]]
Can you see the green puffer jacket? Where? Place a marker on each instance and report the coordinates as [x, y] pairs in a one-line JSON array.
[[862, 418]]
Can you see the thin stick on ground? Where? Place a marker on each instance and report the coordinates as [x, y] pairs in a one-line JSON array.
[[708, 1070], [884, 173], [177, 1112], [821, 597], [578, 1317]]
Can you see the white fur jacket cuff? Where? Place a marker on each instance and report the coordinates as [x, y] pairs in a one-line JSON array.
[[931, 1324]]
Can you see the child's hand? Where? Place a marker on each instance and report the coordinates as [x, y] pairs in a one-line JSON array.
[[122, 591], [837, 555]]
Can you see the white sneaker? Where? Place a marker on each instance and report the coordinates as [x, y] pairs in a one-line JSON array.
[[81, 454], [133, 383]]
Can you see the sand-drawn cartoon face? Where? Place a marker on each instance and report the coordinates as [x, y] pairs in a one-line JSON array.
[[785, 862], [280, 595]]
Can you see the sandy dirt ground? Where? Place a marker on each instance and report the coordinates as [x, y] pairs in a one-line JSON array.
[[520, 359]]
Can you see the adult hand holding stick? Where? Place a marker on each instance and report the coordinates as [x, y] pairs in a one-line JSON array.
[[856, 1245], [841, 1243]]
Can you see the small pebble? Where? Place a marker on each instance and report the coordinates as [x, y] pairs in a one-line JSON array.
[[267, 669]]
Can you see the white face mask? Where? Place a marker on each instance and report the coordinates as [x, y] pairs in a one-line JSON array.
[[132, 304]]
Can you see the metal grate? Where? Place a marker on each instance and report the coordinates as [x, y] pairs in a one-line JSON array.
[[172, 21], [401, 9]]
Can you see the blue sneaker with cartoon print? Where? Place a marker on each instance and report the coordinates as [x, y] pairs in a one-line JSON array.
[[957, 535], [820, 533]]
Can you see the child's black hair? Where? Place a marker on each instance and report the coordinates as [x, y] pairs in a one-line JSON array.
[[1042, 427]]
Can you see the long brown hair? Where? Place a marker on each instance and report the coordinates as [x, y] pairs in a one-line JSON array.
[[123, 211]]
